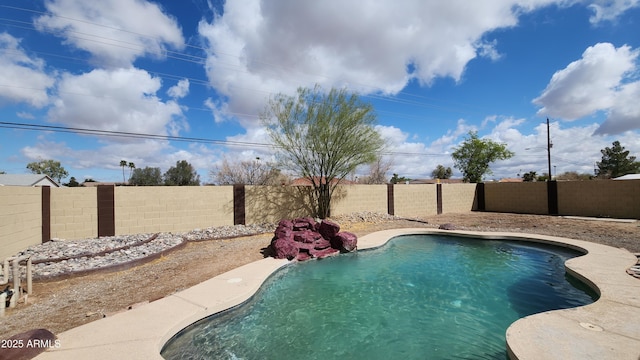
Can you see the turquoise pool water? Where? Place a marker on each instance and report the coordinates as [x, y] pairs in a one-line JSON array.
[[418, 297]]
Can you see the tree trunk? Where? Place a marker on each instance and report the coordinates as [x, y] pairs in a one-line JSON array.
[[324, 202]]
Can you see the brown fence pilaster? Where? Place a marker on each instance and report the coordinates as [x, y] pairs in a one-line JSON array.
[[45, 193], [552, 197], [106, 210], [480, 197], [439, 198], [390, 199], [239, 205]]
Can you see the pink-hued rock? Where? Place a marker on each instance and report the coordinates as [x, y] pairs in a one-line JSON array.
[[283, 233], [303, 239], [306, 236], [321, 244], [304, 223], [285, 249], [286, 223], [321, 254], [345, 241], [305, 246], [328, 229]]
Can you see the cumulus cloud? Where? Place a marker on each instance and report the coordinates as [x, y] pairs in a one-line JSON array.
[[574, 148], [23, 77], [180, 90], [115, 100], [258, 48], [609, 10], [602, 80], [114, 32]]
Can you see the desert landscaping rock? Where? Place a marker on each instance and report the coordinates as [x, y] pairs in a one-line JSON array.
[[62, 257]]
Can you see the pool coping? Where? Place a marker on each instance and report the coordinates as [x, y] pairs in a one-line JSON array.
[[607, 329]]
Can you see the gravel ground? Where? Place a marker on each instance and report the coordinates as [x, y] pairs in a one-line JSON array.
[[65, 304]]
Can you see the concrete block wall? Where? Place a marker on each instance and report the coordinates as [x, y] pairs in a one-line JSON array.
[[458, 198], [415, 200], [150, 209], [617, 199], [74, 213], [358, 198], [20, 219], [269, 204], [525, 197]]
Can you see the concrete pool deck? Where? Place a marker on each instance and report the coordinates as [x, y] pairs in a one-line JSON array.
[[606, 329]]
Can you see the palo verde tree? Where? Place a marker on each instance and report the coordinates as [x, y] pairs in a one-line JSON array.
[[52, 168], [616, 162], [474, 155], [322, 137]]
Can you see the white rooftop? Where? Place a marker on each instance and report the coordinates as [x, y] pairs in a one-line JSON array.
[[27, 180]]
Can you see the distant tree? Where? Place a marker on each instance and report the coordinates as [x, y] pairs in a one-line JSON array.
[[377, 172], [530, 176], [395, 179], [574, 176], [148, 176], [123, 164], [131, 167], [51, 168], [474, 156], [616, 162], [72, 182], [322, 137], [183, 174], [89, 180], [248, 172], [440, 172], [2, 172], [543, 177]]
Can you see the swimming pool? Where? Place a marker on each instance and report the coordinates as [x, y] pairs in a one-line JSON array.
[[419, 296]]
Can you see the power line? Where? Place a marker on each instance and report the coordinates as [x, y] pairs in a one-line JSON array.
[[133, 135]]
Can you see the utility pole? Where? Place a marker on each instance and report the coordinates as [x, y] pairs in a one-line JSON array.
[[549, 145]]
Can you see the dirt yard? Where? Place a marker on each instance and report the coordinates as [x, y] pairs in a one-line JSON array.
[[65, 304]]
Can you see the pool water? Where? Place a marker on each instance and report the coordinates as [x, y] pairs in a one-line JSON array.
[[418, 297]]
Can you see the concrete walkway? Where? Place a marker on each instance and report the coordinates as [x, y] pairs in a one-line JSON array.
[[606, 329]]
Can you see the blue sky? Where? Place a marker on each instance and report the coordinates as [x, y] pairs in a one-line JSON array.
[[201, 69]]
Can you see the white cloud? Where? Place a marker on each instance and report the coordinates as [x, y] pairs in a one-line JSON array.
[[114, 32], [624, 115], [256, 48], [599, 81], [609, 10], [115, 100], [180, 90], [23, 78]]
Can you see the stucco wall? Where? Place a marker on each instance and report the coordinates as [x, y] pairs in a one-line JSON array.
[[149, 209], [619, 198], [20, 219], [415, 200], [458, 198], [526, 197], [74, 213], [269, 204], [357, 198]]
